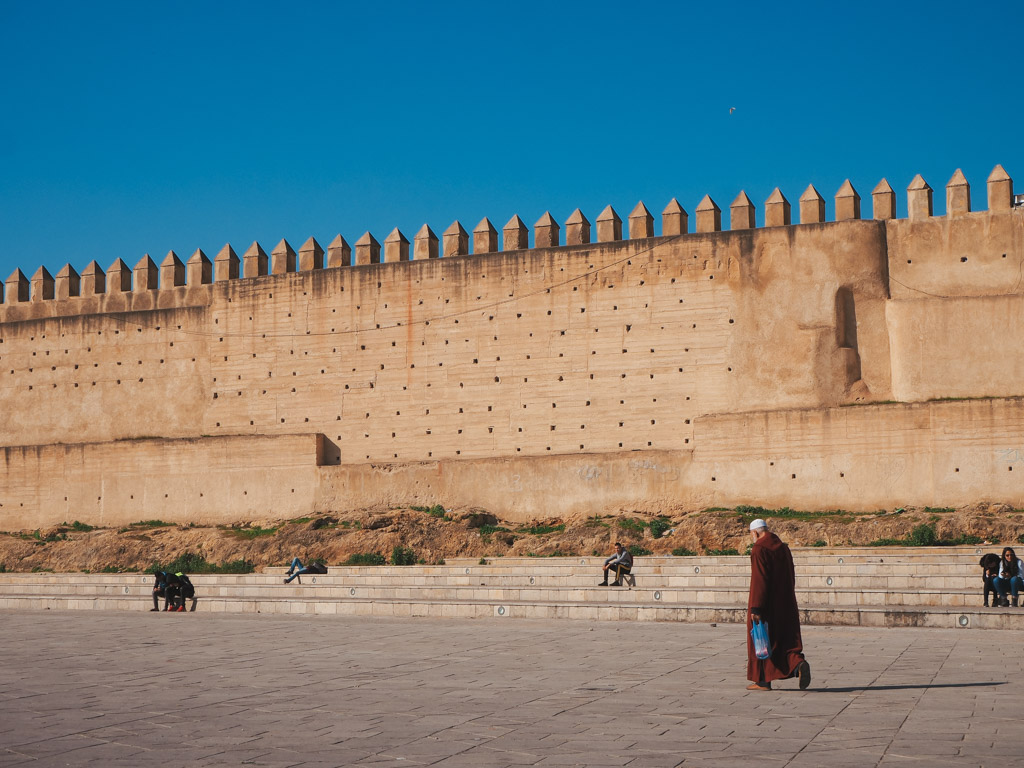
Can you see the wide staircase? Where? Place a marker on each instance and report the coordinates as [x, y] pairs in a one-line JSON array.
[[893, 587]]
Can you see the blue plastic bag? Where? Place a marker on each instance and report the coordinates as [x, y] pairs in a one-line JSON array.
[[759, 633]]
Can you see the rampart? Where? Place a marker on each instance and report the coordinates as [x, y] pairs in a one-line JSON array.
[[805, 364]]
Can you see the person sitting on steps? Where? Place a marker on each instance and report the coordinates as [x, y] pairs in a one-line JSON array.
[[159, 589], [1010, 578], [621, 562], [989, 571]]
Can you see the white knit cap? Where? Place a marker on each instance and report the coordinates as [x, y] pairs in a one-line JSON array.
[[759, 523]]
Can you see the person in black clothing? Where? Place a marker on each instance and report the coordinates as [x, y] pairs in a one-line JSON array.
[[185, 591], [989, 571], [172, 589], [159, 589], [621, 563]]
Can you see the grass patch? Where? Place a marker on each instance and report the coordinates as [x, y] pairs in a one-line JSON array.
[[924, 535], [683, 552], [152, 524], [403, 556], [749, 513], [41, 569], [631, 524], [79, 527], [365, 558], [487, 530], [301, 520], [540, 530], [254, 532], [437, 510], [820, 543], [595, 521], [640, 551], [659, 526], [723, 552], [192, 562], [939, 510]]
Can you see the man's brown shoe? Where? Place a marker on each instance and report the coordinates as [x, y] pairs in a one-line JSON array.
[[803, 670], [759, 687]]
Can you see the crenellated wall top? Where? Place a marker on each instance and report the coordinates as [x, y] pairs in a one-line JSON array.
[[456, 241]]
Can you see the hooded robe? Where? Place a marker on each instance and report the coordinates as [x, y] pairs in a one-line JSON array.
[[773, 595]]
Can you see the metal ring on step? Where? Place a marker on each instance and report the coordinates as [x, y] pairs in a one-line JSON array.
[[532, 580], [829, 581], [964, 621], [696, 569], [583, 562], [313, 580], [127, 590], [657, 595], [352, 591], [467, 570], [977, 551], [501, 610], [841, 561]]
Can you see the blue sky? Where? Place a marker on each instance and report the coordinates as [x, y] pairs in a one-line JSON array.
[[133, 128]]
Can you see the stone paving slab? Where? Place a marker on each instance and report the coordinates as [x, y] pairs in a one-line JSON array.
[[141, 689]]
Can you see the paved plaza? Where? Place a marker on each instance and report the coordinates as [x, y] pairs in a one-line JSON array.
[[139, 689]]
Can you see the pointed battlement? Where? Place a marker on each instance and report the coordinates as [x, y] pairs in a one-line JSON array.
[[485, 239]]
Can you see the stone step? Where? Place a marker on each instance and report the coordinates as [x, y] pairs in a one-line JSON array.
[[626, 611]]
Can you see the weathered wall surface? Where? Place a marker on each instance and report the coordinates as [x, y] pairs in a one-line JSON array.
[[208, 480], [491, 379]]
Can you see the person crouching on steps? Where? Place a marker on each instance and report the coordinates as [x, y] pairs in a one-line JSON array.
[[621, 563]]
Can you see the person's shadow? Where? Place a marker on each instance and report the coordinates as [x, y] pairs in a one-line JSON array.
[[924, 686]]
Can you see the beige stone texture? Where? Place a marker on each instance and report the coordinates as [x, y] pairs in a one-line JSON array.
[[577, 229], [282, 258], [490, 381], [367, 250], [919, 199], [42, 286], [172, 271], [199, 269], [119, 277], [674, 219], [609, 226], [94, 280], [396, 246], [255, 262], [67, 284], [883, 201], [641, 222], [545, 232], [741, 212], [709, 215], [339, 253], [847, 202], [1000, 190], [226, 264], [425, 244], [145, 275], [485, 237], [777, 210], [516, 235], [311, 255], [812, 206], [455, 240], [958, 195]]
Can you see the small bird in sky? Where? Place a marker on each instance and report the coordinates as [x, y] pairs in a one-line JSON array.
[[731, 110]]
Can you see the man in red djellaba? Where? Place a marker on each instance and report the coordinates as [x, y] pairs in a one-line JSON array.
[[773, 600]]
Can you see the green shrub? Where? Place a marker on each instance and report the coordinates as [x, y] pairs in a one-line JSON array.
[[117, 569], [483, 561], [640, 551], [365, 558], [152, 524], [683, 552], [595, 521], [540, 530], [820, 543], [923, 535], [250, 533], [81, 527], [631, 524], [487, 530], [934, 510], [723, 552], [195, 563], [658, 526], [437, 510], [402, 556]]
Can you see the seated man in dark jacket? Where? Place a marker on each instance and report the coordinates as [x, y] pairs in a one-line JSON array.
[[621, 563]]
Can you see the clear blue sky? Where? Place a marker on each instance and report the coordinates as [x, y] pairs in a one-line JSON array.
[[133, 128]]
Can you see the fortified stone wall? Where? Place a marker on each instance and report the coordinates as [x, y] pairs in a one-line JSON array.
[[517, 380]]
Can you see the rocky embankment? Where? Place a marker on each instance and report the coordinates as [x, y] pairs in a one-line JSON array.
[[431, 535]]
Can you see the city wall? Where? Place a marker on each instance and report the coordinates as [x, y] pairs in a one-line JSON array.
[[685, 370]]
